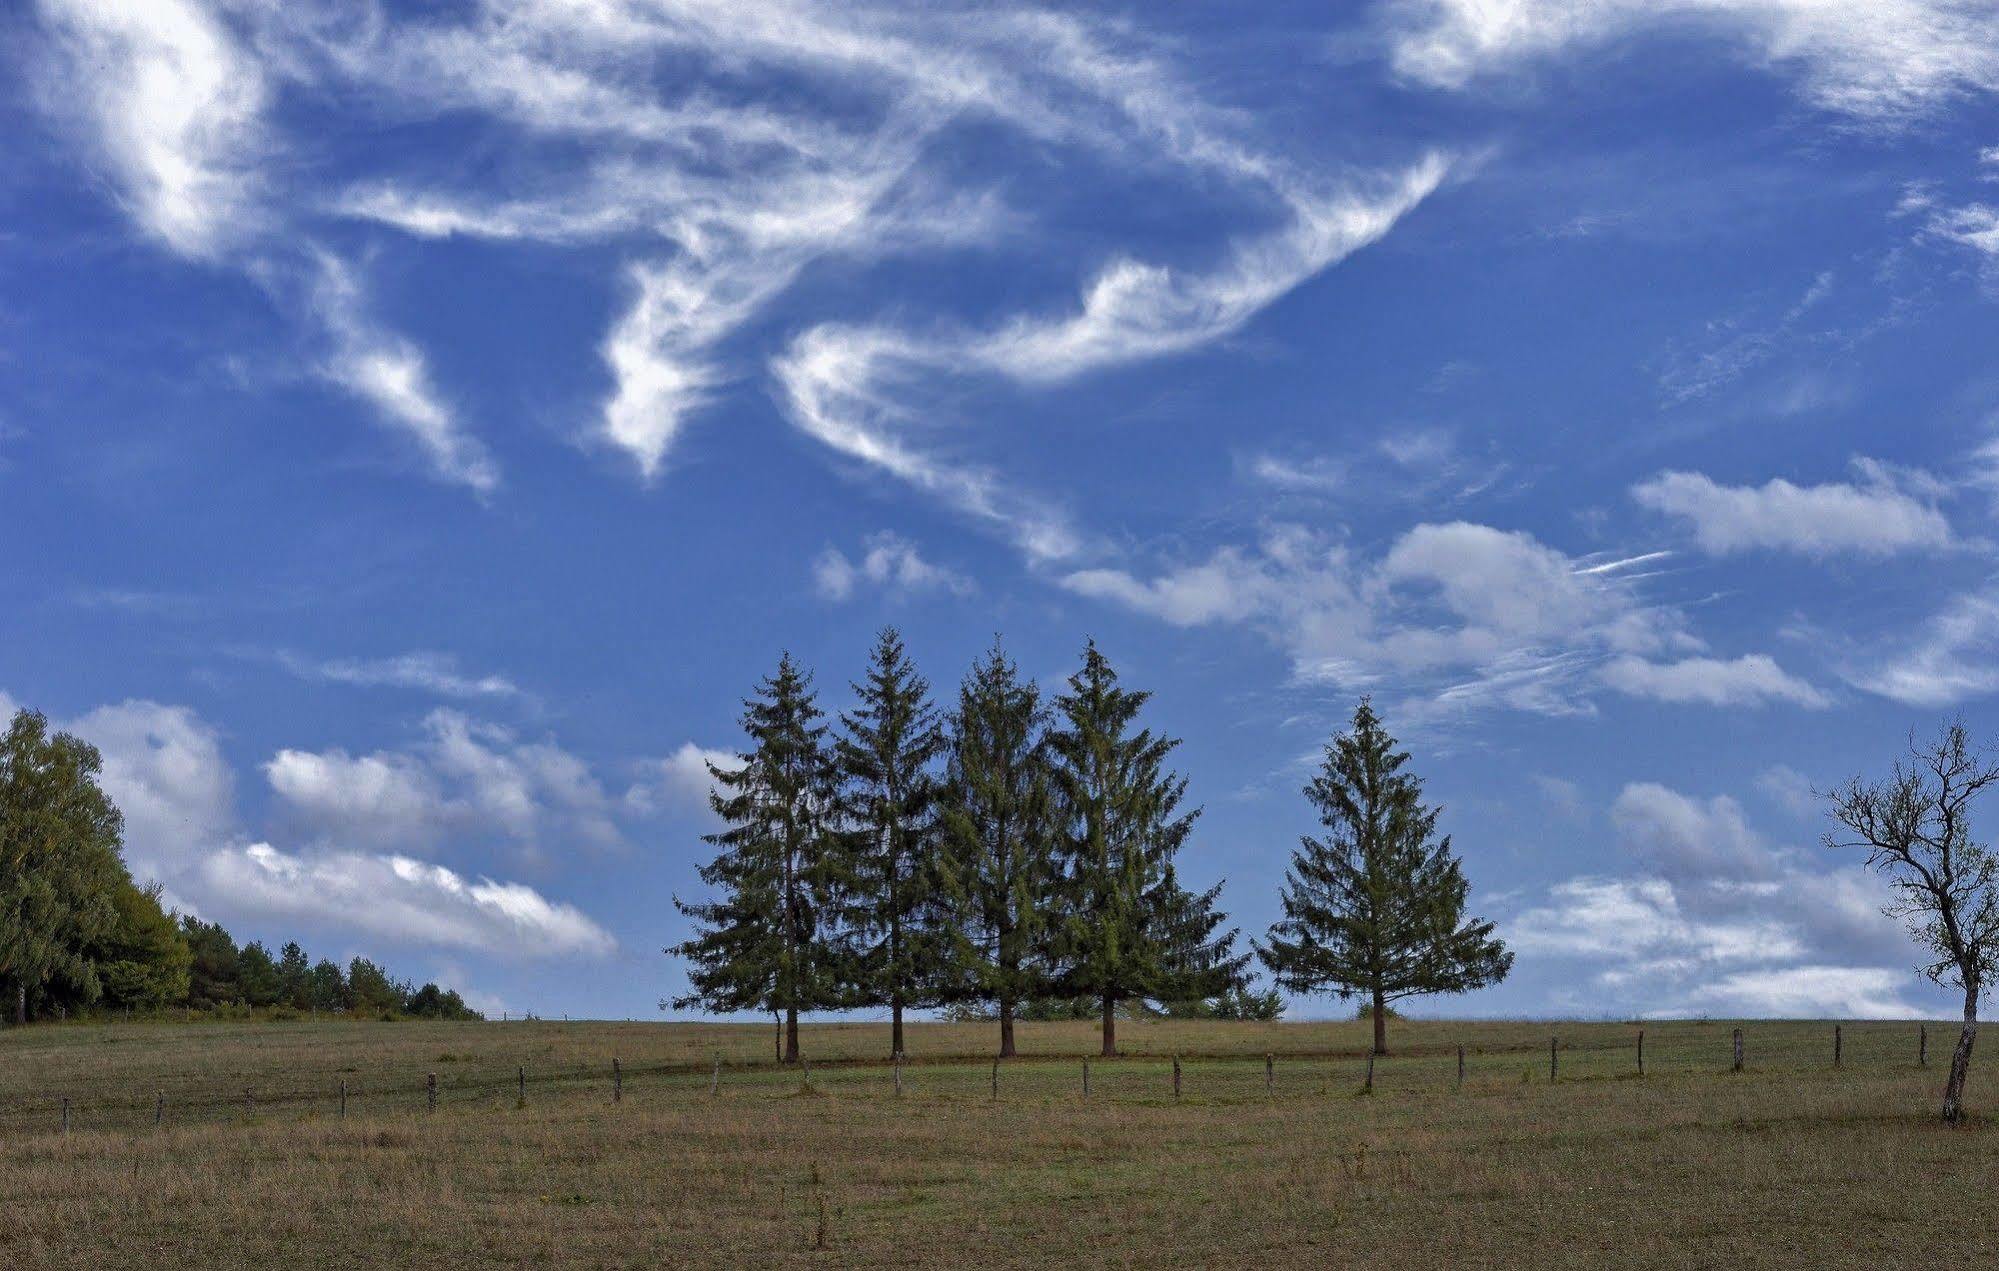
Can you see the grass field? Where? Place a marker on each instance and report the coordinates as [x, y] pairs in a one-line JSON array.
[[1789, 1163]]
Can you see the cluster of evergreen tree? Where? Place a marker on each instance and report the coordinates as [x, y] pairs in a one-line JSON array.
[[1003, 855], [77, 932], [1012, 859]]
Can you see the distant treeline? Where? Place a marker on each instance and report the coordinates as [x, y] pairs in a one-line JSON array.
[[77, 933]]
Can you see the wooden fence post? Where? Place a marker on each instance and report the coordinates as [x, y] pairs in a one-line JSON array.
[[159, 1108], [1176, 1076], [343, 1096], [1086, 1078], [1367, 1087], [1836, 1045], [1269, 1073], [617, 1082], [249, 1104], [897, 1063], [1922, 1045], [1641, 1052], [1461, 1065], [806, 1064], [995, 1078], [65, 1114], [430, 1093], [1551, 1061], [1737, 1041], [715, 1083]]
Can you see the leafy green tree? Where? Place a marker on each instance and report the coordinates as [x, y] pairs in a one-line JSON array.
[[767, 943], [999, 843], [895, 901], [431, 1002], [1128, 930], [59, 863], [212, 977], [328, 990], [1242, 1003], [294, 976], [257, 978], [144, 960], [1376, 907], [370, 990]]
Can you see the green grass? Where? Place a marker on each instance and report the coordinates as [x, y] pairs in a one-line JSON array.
[[1787, 1163]]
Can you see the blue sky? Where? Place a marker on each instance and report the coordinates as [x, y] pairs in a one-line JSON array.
[[419, 426]]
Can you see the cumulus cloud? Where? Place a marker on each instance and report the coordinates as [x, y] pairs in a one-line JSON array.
[[1754, 679], [164, 768], [891, 563], [1718, 919], [401, 899], [682, 780], [1878, 517], [1873, 60], [467, 777], [1444, 602]]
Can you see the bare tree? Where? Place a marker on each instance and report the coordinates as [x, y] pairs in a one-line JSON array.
[[1916, 829]]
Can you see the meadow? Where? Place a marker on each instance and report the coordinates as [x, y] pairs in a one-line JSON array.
[[1789, 1162]]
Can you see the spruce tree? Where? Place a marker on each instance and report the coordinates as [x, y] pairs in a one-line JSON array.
[[1128, 929], [998, 836], [895, 907], [1375, 909], [295, 976], [765, 943]]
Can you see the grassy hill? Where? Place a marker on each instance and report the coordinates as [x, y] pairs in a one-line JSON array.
[[1789, 1162]]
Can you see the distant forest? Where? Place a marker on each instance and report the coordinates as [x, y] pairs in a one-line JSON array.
[[79, 934]]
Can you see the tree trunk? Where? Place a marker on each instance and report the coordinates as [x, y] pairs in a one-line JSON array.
[[1006, 1028], [1380, 1022], [895, 1030], [791, 1034], [776, 1037], [1110, 1027], [1960, 1059]]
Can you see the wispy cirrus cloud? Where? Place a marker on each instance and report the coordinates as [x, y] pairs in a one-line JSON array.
[[177, 107], [1878, 61]]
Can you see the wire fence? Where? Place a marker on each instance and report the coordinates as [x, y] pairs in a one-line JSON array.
[[103, 1101]]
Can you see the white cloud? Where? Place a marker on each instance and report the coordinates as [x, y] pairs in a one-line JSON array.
[[390, 374], [1524, 620], [841, 383], [1875, 60], [1751, 680], [467, 777], [176, 109], [890, 562], [1790, 790], [681, 780], [1717, 920], [401, 899], [1878, 517], [164, 768], [1952, 658], [1682, 839], [427, 672]]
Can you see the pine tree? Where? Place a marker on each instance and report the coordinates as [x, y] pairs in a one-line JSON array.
[[59, 862], [1375, 908], [1128, 930], [766, 943], [894, 906], [294, 976], [998, 836]]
